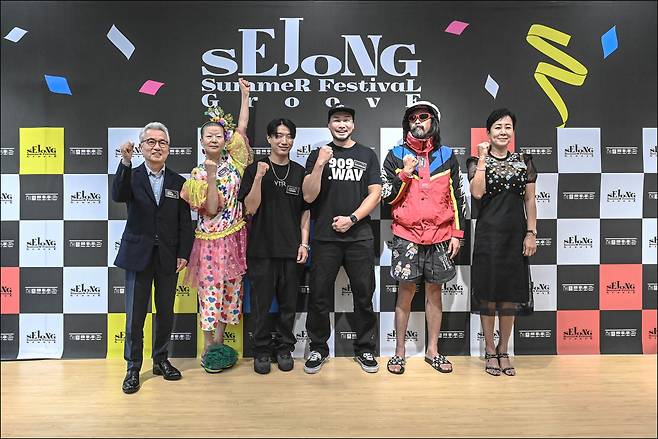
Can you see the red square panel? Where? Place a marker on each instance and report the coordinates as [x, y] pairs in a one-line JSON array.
[[620, 287], [9, 278], [578, 332], [649, 331], [479, 135]]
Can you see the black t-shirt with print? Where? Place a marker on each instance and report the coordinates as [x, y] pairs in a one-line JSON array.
[[275, 228], [345, 181]]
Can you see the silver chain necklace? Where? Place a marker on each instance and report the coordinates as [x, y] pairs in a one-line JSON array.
[[274, 173]]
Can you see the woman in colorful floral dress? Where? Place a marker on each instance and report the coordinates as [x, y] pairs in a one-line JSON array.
[[218, 259]]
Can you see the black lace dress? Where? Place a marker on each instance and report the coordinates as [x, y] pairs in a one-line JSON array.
[[500, 274]]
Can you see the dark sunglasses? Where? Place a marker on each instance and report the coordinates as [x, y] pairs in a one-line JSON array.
[[421, 117]]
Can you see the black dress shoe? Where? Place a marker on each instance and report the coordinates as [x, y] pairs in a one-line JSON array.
[[168, 371], [131, 382]]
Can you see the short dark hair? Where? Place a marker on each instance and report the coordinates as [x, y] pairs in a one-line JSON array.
[[342, 109], [274, 123], [210, 123], [499, 114]]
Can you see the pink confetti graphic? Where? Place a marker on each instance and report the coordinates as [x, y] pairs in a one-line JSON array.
[[151, 87], [456, 27]]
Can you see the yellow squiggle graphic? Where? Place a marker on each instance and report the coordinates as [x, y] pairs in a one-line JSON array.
[[537, 34]]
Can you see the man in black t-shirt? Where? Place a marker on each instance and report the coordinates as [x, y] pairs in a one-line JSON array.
[[344, 184], [278, 247]]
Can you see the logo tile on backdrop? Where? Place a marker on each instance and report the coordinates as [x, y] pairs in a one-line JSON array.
[[10, 197], [621, 241], [9, 244], [535, 334], [649, 333], [578, 332], [9, 336], [41, 336], [578, 287], [456, 293], [85, 197], [117, 137], [546, 195], [649, 141], [621, 195], [579, 150], [42, 243], [621, 332], [85, 335], [85, 290], [620, 287], [544, 287], [41, 290], [42, 150], [41, 197], [649, 240], [578, 241], [9, 290], [114, 232]]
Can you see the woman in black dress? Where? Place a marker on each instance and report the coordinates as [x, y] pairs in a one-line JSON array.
[[503, 184]]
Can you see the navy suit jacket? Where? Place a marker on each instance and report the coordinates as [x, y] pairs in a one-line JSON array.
[[170, 221]]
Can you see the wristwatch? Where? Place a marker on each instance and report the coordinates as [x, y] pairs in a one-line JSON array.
[[354, 218], [533, 232], [306, 246]]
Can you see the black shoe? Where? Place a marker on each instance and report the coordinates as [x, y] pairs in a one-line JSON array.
[[367, 362], [169, 372], [262, 363], [314, 362], [131, 381], [285, 361]]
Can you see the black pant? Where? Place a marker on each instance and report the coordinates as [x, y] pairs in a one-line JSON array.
[[359, 261], [138, 296], [270, 276]]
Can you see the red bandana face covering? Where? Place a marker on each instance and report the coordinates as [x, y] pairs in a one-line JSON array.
[[420, 146]]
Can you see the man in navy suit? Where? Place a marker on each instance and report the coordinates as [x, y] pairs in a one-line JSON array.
[[155, 246]]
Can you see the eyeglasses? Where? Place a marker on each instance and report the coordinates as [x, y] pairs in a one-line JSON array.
[[421, 117], [152, 142], [279, 136]]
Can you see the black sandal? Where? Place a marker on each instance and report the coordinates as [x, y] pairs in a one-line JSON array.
[[509, 371], [491, 370], [437, 361], [396, 361]]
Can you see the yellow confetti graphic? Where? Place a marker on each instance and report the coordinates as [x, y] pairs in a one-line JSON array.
[[575, 75]]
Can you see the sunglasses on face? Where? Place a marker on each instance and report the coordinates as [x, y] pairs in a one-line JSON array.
[[421, 117]]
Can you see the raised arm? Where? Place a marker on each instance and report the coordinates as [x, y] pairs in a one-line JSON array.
[[313, 181], [243, 119]]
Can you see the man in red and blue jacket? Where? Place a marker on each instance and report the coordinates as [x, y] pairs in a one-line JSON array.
[[421, 182]]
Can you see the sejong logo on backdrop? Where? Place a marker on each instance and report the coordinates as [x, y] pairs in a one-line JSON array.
[[85, 197], [10, 197], [42, 150], [85, 290], [579, 150]]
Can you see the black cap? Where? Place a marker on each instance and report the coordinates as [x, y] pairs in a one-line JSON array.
[[342, 109]]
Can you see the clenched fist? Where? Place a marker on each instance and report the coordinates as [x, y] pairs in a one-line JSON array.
[[410, 163], [325, 154], [261, 169], [483, 149], [211, 169], [245, 86], [127, 152]]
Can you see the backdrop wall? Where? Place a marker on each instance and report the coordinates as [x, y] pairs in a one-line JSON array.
[[581, 77]]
